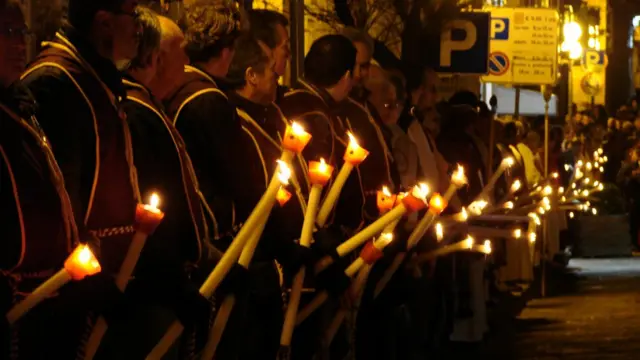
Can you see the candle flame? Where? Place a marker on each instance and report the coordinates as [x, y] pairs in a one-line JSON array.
[[563, 199], [508, 205], [385, 239], [439, 232], [541, 210], [458, 177], [297, 129], [154, 201], [555, 175], [476, 207], [421, 191], [284, 172], [589, 166], [487, 246], [579, 163], [571, 215], [546, 201], [468, 242], [585, 193], [579, 174], [600, 151], [517, 184], [596, 154], [535, 218], [548, 190], [517, 233], [386, 192], [605, 158], [508, 161], [560, 190], [601, 169], [463, 214], [532, 237], [567, 167], [85, 255], [353, 142], [596, 183], [323, 166], [601, 187], [594, 211], [586, 181]]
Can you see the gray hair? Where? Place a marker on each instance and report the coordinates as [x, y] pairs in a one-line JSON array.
[[150, 37]]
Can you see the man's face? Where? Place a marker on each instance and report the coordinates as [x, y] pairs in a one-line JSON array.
[[385, 100], [173, 58], [13, 50], [282, 51], [363, 62], [125, 31], [267, 81]]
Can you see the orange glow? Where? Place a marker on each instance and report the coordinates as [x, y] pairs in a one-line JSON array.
[[283, 196], [385, 200], [295, 138], [355, 154], [437, 203], [319, 172], [82, 263]]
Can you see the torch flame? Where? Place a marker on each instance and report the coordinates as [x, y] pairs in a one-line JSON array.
[[517, 184], [458, 176], [468, 242], [386, 238], [323, 166], [439, 232], [297, 129], [284, 172], [421, 191], [353, 142], [487, 246], [517, 233], [154, 201]]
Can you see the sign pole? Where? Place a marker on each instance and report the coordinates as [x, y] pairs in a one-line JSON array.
[[546, 91]]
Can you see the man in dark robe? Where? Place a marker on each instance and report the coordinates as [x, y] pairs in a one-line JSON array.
[[39, 229]]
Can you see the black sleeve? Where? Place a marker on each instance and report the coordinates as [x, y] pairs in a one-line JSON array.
[[215, 142], [321, 143], [67, 122]]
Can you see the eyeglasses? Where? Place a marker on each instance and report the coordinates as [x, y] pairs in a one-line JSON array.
[[393, 105]]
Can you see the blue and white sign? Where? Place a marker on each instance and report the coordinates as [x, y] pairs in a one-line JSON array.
[[524, 46], [464, 45], [500, 28]]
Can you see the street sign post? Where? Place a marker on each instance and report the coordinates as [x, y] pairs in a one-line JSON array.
[[524, 46], [464, 45]]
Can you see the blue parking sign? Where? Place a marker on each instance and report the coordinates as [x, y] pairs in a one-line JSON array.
[[464, 45], [499, 28]]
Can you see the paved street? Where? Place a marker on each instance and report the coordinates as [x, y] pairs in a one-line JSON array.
[[592, 313]]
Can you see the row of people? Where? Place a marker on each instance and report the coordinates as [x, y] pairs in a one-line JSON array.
[[124, 103]]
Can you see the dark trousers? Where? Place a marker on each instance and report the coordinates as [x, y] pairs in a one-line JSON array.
[[254, 327]]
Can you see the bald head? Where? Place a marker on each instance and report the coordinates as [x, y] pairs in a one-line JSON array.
[[170, 31], [172, 58]]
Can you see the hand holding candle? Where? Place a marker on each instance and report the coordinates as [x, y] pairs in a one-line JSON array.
[[148, 217], [353, 156], [319, 175], [80, 264], [412, 202], [253, 226]]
